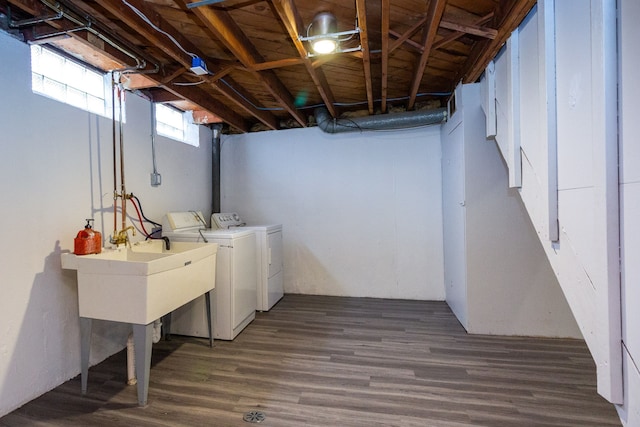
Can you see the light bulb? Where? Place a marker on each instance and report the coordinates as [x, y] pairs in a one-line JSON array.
[[324, 46]]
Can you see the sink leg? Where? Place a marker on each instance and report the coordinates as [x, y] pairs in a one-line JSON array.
[[142, 338], [85, 349], [207, 300]]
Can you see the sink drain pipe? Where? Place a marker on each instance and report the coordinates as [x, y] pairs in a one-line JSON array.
[[131, 351], [406, 120], [131, 364]]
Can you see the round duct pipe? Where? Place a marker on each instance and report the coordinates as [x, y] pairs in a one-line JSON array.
[[404, 120]]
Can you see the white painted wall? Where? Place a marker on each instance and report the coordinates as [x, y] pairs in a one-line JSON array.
[[56, 170], [578, 99], [498, 279], [629, 151], [361, 212]]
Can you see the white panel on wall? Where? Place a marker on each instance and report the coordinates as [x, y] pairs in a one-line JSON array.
[[568, 128], [604, 119], [488, 85], [56, 170], [629, 93], [574, 95], [538, 113], [502, 101], [548, 114], [507, 81], [530, 118], [514, 163], [361, 212]]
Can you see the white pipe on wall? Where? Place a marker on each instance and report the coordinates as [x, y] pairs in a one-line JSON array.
[[157, 331], [131, 351], [131, 361]]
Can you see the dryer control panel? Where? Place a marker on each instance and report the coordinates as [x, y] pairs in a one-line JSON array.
[[226, 220], [177, 221]]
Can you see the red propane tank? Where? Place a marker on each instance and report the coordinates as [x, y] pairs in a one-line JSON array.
[[88, 241]]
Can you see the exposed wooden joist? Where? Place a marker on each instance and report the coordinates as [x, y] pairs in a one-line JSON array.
[[484, 51], [457, 34], [36, 8], [488, 33], [229, 33], [361, 12], [202, 117], [405, 36], [290, 18], [463, 19], [270, 65], [434, 16], [417, 46], [220, 74], [162, 96], [384, 53], [161, 41], [173, 75], [204, 100]]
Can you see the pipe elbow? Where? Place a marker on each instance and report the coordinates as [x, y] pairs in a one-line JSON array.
[[167, 243], [324, 120]]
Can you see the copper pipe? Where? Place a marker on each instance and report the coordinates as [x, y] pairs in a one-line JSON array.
[[113, 132], [123, 192]]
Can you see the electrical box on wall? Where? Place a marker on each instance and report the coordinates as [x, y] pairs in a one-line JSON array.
[[156, 179]]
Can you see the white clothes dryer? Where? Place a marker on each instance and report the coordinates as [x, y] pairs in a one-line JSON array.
[[269, 256], [233, 300]]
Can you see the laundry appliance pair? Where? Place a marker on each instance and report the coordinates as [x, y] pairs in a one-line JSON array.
[[249, 273]]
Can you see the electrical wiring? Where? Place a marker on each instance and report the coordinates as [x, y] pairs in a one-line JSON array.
[[189, 83], [144, 230], [160, 30], [337, 104], [143, 216], [138, 207], [247, 100]]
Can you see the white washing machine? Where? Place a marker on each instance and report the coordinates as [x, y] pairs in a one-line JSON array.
[[269, 256], [233, 302]]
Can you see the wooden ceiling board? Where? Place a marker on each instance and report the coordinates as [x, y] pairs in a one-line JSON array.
[[478, 7], [296, 77], [259, 71]]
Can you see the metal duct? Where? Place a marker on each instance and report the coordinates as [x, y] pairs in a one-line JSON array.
[[404, 120]]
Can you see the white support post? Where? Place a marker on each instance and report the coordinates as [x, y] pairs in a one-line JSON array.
[[489, 100], [513, 142], [548, 114], [607, 284]]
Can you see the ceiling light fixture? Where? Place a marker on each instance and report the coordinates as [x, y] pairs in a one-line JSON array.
[[323, 35], [323, 27]]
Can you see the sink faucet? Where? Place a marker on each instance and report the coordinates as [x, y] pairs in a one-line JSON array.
[[123, 237]]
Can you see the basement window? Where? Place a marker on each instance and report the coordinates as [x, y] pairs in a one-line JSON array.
[[176, 124], [60, 78]]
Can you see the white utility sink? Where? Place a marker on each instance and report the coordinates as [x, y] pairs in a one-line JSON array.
[[142, 283], [138, 285]]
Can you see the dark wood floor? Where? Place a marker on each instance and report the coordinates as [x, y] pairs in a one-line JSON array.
[[327, 361]]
